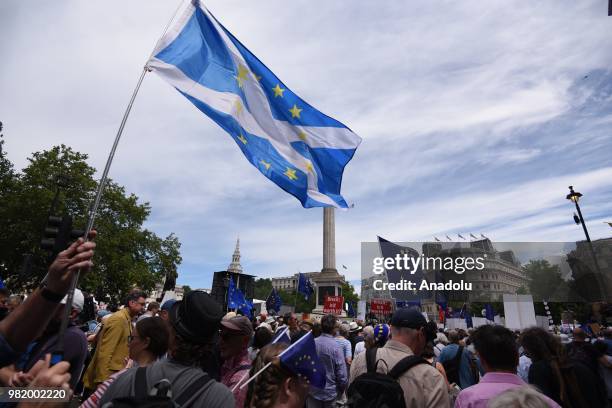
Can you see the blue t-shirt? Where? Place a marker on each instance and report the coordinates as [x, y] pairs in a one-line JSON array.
[[346, 346]]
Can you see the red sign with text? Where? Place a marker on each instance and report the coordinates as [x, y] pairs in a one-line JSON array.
[[380, 306], [334, 305]]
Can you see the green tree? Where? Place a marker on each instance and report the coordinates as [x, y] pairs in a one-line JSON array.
[[545, 281], [290, 298], [127, 254], [186, 289], [263, 287]]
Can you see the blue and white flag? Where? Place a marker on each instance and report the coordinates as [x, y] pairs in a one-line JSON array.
[[274, 302], [301, 358], [300, 149], [305, 286], [236, 300]]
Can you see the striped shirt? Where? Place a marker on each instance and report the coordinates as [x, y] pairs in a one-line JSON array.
[[94, 400]]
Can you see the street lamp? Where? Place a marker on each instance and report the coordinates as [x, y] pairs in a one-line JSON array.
[[574, 196]]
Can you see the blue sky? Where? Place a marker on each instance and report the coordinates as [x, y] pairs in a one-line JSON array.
[[475, 117]]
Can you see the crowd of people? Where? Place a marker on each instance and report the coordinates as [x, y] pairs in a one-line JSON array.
[[193, 354]]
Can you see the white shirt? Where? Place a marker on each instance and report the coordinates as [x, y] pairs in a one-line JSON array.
[[359, 347]]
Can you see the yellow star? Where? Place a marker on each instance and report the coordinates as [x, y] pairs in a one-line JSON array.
[[238, 106], [302, 135], [290, 173], [309, 166], [242, 75], [266, 164], [278, 91], [242, 139], [295, 111]]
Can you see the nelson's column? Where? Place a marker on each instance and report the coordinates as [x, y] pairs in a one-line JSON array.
[[329, 282]]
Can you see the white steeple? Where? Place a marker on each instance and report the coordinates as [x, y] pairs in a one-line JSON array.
[[235, 266]]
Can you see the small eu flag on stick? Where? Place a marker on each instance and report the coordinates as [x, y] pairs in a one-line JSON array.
[[300, 358]]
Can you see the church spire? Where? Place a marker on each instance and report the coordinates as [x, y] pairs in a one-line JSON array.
[[235, 266]]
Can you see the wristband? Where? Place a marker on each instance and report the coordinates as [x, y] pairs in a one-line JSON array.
[[51, 296]]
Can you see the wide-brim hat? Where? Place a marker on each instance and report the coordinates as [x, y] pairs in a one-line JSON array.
[[353, 326], [197, 317]]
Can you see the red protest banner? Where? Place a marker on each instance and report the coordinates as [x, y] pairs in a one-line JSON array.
[[333, 304], [381, 306]]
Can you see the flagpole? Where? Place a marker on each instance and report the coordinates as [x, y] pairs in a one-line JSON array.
[[96, 203]]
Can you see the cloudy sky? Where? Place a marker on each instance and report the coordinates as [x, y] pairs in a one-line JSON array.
[[475, 117]]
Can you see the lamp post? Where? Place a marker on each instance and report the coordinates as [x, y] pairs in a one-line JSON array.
[[574, 197]]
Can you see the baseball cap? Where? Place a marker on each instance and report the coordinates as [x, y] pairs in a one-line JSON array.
[[168, 304], [196, 318], [410, 318], [239, 324], [78, 300]]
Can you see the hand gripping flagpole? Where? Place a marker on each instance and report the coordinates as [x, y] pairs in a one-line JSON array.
[[59, 352]]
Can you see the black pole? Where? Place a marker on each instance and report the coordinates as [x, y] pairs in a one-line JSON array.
[[586, 232], [602, 283]]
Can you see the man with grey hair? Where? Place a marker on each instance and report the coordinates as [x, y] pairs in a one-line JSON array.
[[422, 384], [458, 362]]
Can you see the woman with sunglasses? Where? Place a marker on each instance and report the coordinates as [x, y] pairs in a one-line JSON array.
[[148, 343]]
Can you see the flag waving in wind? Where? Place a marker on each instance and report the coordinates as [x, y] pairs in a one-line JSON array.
[[236, 299], [305, 286], [274, 302], [297, 147]]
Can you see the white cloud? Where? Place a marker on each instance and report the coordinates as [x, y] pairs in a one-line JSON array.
[[472, 117]]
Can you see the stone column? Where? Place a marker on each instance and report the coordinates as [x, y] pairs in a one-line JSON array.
[[329, 241]]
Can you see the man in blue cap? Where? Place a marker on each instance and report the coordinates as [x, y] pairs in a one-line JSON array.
[[422, 384], [164, 312]]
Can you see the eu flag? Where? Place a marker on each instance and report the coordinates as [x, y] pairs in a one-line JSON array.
[[489, 312], [274, 302], [351, 310], [304, 286], [236, 299], [298, 148], [302, 359]]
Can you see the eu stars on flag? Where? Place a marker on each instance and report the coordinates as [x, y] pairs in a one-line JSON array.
[[298, 148]]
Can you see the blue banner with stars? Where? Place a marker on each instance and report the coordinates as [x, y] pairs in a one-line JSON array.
[[297, 147], [302, 359], [236, 300]]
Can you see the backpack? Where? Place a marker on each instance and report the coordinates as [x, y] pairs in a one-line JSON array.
[[377, 390], [160, 395], [452, 368]]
